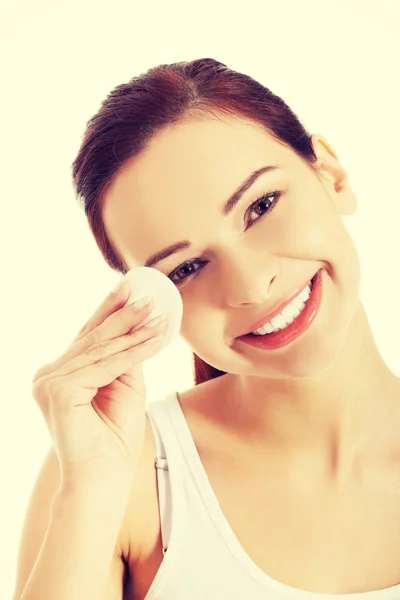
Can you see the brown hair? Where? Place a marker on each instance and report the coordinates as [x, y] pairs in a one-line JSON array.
[[136, 111]]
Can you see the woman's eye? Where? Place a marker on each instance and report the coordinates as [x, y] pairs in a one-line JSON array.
[[264, 204], [185, 271], [188, 269]]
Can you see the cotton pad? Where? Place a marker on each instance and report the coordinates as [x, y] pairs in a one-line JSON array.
[[145, 281]]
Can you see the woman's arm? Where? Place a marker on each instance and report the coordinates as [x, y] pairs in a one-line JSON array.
[[69, 546]]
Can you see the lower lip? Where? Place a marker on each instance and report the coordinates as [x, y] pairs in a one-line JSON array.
[[283, 337]]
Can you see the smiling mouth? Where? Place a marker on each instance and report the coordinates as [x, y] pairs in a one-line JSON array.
[[306, 305], [284, 314]]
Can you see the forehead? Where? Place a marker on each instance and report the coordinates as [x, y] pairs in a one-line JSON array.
[[187, 170]]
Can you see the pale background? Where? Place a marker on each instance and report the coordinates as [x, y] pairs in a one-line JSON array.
[[335, 63]]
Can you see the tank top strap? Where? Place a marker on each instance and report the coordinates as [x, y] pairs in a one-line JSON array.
[[167, 451]]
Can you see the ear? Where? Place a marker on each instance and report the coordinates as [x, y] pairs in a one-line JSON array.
[[333, 176]]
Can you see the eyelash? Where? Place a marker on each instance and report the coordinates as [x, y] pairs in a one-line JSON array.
[[189, 263]]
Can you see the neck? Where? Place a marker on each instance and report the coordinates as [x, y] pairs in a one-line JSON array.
[[351, 405]]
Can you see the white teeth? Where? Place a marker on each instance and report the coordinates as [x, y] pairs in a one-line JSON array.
[[297, 303], [278, 321], [268, 328], [305, 294], [288, 314]]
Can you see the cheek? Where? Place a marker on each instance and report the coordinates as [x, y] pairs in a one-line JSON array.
[[308, 227], [200, 323], [296, 236], [315, 230]]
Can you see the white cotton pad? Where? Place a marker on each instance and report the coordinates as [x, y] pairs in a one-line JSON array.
[[167, 299]]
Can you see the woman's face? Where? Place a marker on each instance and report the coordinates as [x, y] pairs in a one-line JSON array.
[[232, 269]]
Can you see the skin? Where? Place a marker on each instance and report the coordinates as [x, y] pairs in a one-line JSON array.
[[327, 400]]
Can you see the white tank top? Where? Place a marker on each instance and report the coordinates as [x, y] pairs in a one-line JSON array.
[[203, 558]]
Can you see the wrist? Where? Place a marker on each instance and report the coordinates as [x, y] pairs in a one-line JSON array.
[[102, 487], [96, 477]]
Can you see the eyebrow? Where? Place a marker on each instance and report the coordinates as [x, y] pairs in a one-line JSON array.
[[226, 210]]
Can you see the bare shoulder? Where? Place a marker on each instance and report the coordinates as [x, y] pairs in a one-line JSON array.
[[140, 531], [140, 536]]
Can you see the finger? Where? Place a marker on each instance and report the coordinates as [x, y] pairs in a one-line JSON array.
[[105, 372], [117, 324], [79, 387], [115, 300], [99, 352]]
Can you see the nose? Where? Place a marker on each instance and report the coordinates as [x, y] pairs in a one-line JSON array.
[[247, 282]]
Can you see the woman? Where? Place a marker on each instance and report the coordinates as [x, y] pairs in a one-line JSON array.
[[277, 474]]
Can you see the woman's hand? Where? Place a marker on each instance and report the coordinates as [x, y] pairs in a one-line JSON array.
[[93, 397]]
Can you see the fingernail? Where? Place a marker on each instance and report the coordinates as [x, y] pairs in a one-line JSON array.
[[142, 302]]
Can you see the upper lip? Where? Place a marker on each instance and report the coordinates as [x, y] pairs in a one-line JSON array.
[[278, 308]]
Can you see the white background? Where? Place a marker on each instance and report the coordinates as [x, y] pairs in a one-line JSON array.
[[336, 63]]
